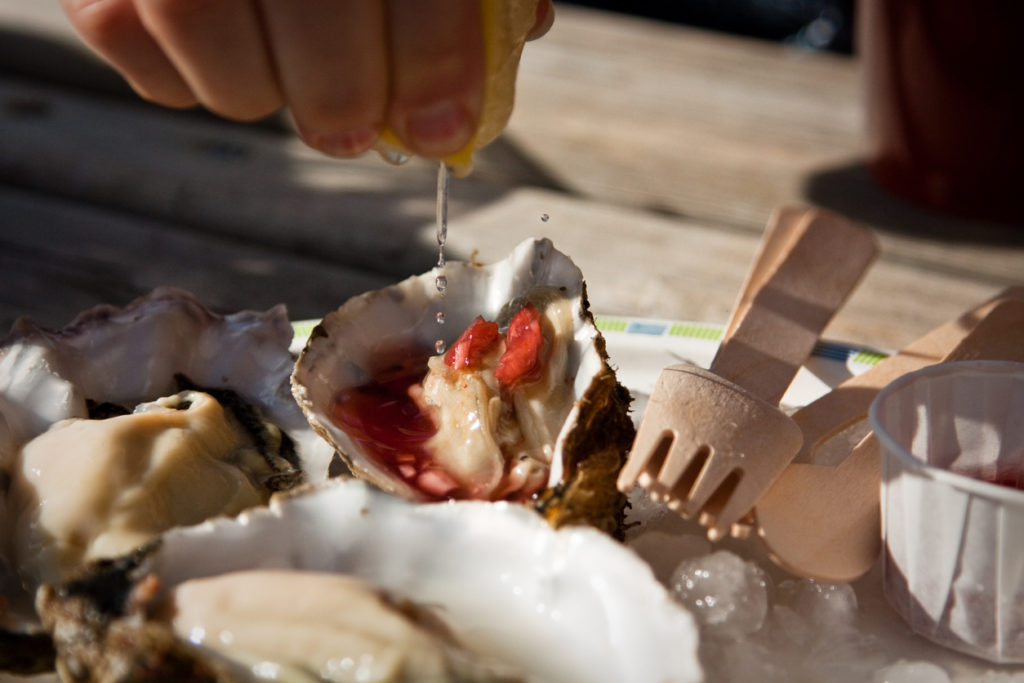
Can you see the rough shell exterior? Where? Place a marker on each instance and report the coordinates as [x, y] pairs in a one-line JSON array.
[[131, 354]]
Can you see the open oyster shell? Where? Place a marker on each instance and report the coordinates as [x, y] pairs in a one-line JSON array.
[[398, 325], [132, 355], [567, 605]]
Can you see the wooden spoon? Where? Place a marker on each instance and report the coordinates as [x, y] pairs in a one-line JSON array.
[[711, 441], [823, 521]]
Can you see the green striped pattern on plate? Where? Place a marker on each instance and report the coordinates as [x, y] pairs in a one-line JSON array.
[[713, 332], [612, 325]]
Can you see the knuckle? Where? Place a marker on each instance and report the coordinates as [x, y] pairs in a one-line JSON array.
[[167, 95], [101, 22], [243, 110], [329, 112], [179, 9]]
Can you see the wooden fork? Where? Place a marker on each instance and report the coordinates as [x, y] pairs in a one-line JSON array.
[[712, 441], [822, 520]]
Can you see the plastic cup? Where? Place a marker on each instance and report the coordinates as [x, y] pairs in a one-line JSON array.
[[952, 446]]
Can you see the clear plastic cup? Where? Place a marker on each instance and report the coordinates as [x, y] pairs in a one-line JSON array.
[[952, 446]]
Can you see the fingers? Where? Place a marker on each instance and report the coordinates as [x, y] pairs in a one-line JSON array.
[[180, 52], [545, 19], [333, 68], [346, 68], [437, 73], [219, 48], [113, 29]]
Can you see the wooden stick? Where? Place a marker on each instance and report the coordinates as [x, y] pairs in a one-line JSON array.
[[823, 521], [813, 269]]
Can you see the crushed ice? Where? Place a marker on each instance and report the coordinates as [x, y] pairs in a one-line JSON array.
[[759, 623], [728, 595]]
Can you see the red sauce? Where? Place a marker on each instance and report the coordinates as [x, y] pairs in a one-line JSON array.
[[1013, 479], [469, 349], [384, 419], [1014, 483], [387, 422], [521, 362]]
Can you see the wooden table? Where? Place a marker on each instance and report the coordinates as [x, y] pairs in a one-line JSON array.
[[657, 153]]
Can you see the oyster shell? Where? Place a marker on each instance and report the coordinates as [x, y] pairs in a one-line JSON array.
[[573, 419], [109, 357], [554, 605]]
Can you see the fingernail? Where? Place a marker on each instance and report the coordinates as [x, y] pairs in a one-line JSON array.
[[440, 128], [349, 143]]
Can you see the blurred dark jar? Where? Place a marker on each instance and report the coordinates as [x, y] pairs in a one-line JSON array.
[[944, 89]]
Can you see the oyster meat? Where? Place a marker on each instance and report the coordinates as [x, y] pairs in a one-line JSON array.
[[470, 591], [522, 405], [325, 625], [131, 421], [88, 488]]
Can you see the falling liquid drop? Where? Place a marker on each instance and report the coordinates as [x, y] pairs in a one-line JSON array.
[[440, 317], [395, 157], [439, 346], [544, 217], [442, 223]]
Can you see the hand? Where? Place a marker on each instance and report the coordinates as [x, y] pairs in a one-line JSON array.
[[346, 68]]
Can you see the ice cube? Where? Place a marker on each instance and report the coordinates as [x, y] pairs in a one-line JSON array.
[[727, 594], [828, 606]]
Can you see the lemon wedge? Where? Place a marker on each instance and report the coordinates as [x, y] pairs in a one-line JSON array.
[[506, 24]]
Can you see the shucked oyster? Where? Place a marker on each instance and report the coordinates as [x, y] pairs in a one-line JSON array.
[[198, 421], [521, 406], [519, 600], [114, 624]]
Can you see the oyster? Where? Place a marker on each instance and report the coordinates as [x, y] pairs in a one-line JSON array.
[[518, 597], [523, 405], [198, 421]]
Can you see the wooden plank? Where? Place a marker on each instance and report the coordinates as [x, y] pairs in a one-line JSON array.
[[621, 110], [672, 118], [244, 182], [613, 110], [722, 129], [255, 186], [58, 258], [639, 264]]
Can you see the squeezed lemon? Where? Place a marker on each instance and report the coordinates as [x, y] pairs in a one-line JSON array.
[[506, 24]]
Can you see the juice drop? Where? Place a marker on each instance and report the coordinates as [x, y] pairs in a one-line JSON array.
[[440, 317], [395, 157], [440, 346], [442, 223]]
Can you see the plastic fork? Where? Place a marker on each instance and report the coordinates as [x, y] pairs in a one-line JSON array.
[[712, 441]]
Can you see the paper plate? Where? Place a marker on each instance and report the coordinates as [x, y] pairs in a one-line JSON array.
[[640, 347]]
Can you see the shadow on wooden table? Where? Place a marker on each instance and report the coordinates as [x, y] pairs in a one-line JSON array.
[[105, 196], [852, 191]]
